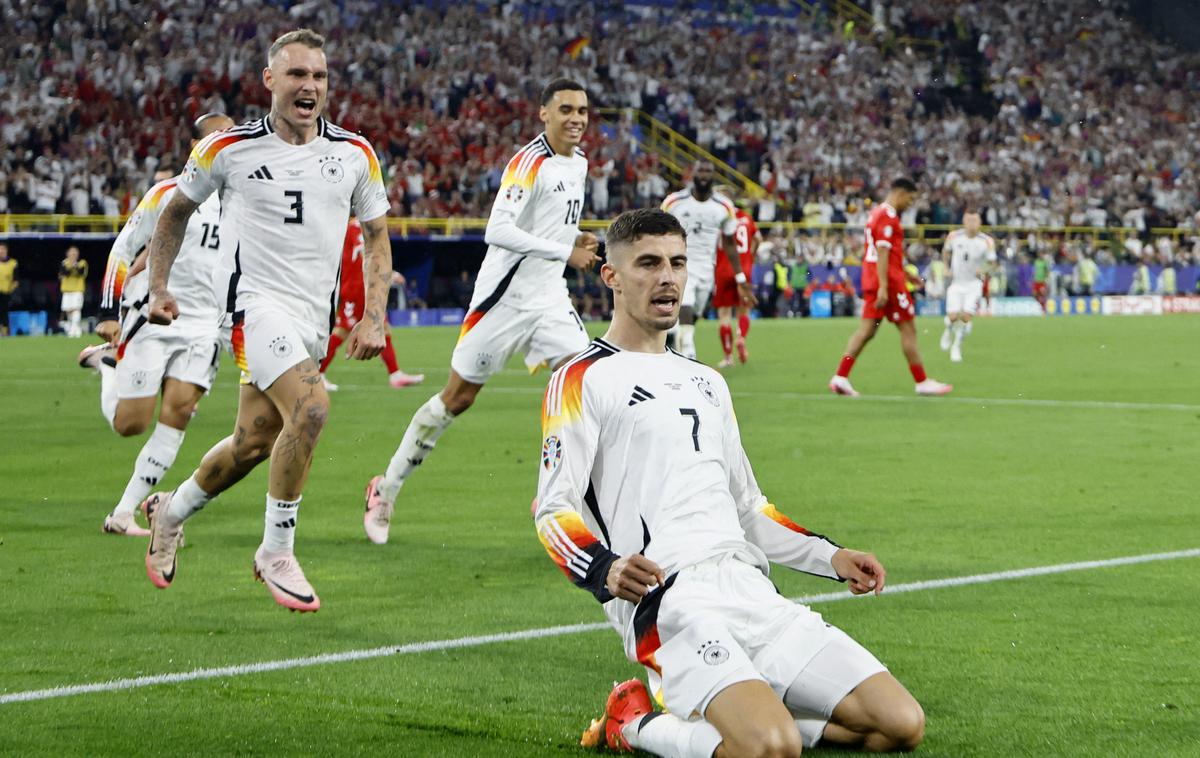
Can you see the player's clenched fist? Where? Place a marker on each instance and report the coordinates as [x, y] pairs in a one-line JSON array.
[[163, 308], [631, 578], [583, 255], [862, 571]]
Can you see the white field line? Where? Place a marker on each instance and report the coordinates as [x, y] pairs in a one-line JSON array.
[[531, 634]]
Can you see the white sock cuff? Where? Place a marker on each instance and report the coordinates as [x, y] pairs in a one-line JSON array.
[[704, 739], [167, 434], [273, 502], [437, 410]]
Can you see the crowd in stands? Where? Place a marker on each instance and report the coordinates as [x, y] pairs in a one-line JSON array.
[[1057, 113]]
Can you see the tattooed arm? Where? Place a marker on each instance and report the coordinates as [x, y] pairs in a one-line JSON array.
[[164, 246], [369, 336]]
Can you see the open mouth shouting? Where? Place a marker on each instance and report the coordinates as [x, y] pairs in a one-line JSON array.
[[664, 303], [306, 107]]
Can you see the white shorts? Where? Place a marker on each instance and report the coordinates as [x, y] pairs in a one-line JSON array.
[[72, 301], [721, 622], [148, 354], [964, 297], [267, 341], [487, 340], [697, 291]]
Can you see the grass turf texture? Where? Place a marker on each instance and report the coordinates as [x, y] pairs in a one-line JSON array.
[[1086, 663]]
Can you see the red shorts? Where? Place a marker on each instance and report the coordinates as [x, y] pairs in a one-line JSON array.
[[726, 294], [1039, 289], [899, 307], [350, 312]]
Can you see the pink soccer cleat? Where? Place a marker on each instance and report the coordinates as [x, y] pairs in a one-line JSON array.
[[123, 524], [400, 379], [283, 576], [164, 540], [90, 356], [378, 516], [934, 387], [840, 385]]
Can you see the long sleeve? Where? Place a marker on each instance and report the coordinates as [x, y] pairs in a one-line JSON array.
[[570, 431], [518, 189], [782, 540]]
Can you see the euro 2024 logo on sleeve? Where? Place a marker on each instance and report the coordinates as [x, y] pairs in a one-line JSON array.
[[551, 452]]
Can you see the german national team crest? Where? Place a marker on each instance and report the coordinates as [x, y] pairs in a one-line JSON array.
[[706, 389], [713, 653], [551, 453], [280, 347], [331, 169], [139, 379]]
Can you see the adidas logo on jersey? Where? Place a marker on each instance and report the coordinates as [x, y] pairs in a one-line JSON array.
[[262, 173], [639, 395], [560, 187]]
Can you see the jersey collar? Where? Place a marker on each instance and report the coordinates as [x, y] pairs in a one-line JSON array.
[[266, 121]]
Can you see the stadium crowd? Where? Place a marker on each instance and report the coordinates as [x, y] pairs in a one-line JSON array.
[[1043, 114]]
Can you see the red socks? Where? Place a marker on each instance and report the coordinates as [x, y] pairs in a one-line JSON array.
[[845, 366], [330, 351], [744, 325], [389, 356], [727, 339], [918, 372]]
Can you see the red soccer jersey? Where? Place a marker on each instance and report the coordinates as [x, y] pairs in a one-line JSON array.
[[883, 231], [352, 289], [742, 236]]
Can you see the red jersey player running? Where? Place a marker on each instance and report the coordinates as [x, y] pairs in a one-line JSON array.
[[885, 292], [726, 298], [352, 298]]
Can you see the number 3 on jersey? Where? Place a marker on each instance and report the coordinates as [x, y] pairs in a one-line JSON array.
[[297, 207]]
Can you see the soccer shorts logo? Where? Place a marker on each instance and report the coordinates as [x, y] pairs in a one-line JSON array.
[[712, 653], [139, 379], [280, 347], [551, 453], [706, 389]]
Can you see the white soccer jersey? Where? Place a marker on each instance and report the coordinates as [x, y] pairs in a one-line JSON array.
[[284, 211], [968, 255], [191, 275], [705, 221], [642, 454], [532, 229]]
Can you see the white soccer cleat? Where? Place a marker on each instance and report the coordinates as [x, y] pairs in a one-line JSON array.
[[726, 362], [947, 338], [378, 517], [91, 355], [840, 385], [164, 540], [934, 387], [329, 386], [956, 354], [283, 576], [123, 524], [400, 379]]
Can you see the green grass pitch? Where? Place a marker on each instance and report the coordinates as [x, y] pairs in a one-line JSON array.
[[1086, 663]]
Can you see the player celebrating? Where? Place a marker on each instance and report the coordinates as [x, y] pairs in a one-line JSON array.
[[180, 359], [351, 302], [520, 301], [288, 184], [885, 292], [726, 297], [709, 218], [968, 252], [647, 500]]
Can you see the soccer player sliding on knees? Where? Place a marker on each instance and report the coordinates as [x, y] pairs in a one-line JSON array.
[[646, 500]]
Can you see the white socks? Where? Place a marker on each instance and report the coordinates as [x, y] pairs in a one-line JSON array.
[[960, 330], [687, 340], [668, 735], [108, 391], [188, 499], [152, 463], [279, 534], [427, 424]]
